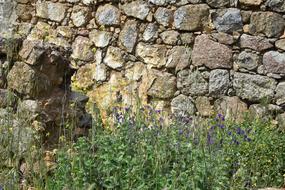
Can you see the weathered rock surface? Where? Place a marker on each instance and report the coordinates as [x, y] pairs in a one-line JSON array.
[[154, 55], [25, 80], [191, 17], [82, 49], [248, 60], [114, 58], [108, 15], [231, 108], [276, 5], [280, 44], [80, 16], [100, 38], [228, 20], [163, 16], [219, 82], [192, 83], [268, 23], [182, 106], [179, 57], [251, 2], [218, 3], [256, 43], [163, 86], [170, 37], [210, 53], [49, 10], [128, 35], [138, 9], [280, 93], [204, 106], [274, 62], [151, 32], [254, 87]]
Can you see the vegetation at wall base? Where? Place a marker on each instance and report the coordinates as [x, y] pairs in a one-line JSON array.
[[138, 152]]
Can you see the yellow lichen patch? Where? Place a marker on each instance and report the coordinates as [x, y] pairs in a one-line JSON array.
[[82, 79], [117, 92]]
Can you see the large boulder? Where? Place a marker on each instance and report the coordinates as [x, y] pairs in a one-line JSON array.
[[219, 82], [256, 43], [210, 53], [274, 62], [154, 55], [108, 15], [191, 17], [138, 9], [27, 81], [228, 20], [52, 11], [192, 83], [128, 35], [182, 106], [254, 87], [268, 23], [231, 108]]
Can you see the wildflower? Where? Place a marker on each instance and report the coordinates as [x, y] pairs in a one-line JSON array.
[[221, 126], [180, 131], [210, 140], [230, 133], [240, 131]]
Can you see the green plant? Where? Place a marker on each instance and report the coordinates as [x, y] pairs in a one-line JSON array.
[[139, 153]]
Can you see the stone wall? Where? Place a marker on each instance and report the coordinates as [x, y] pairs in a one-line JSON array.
[[188, 57]]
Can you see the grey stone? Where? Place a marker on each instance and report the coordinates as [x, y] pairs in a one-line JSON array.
[[29, 108], [163, 16], [254, 87], [154, 55], [232, 108], [248, 60], [82, 49], [100, 38], [280, 44], [210, 53], [150, 32], [219, 82], [80, 16], [256, 43], [274, 62], [268, 23], [49, 10], [114, 58], [169, 37], [108, 15], [138, 9], [182, 106], [191, 17], [192, 83], [276, 5], [178, 57], [162, 2], [128, 35], [218, 3], [280, 93], [228, 20]]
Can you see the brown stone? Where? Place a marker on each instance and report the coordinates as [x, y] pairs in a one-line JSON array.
[[210, 53], [256, 43]]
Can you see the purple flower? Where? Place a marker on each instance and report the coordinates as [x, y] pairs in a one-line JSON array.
[[210, 140]]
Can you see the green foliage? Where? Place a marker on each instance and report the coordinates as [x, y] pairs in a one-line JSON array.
[[139, 153]]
